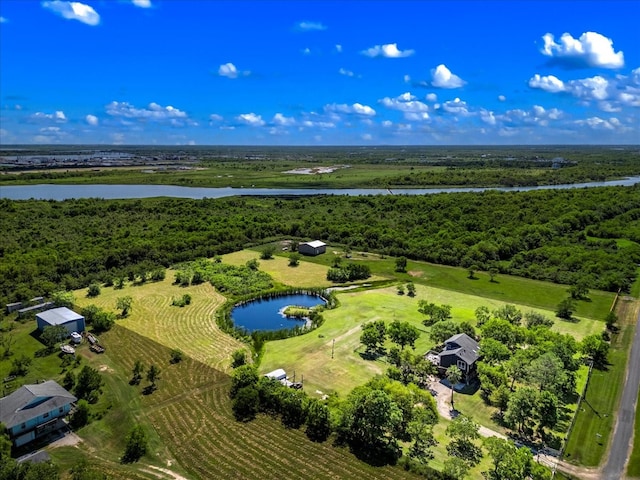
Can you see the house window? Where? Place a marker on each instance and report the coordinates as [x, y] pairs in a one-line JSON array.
[[61, 409], [462, 365], [23, 426], [45, 415]]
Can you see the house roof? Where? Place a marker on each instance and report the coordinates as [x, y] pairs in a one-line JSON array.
[[468, 351], [59, 316], [31, 401], [316, 244]]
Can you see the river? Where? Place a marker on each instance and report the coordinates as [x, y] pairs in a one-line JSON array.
[[65, 192]]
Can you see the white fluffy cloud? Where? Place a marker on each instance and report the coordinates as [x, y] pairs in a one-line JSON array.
[[338, 48], [502, 98], [281, 120], [4, 20], [594, 88], [346, 73], [356, 108], [142, 3], [408, 104], [310, 26], [91, 120], [537, 115], [251, 119], [442, 77], [228, 70], [591, 49], [74, 11], [389, 50], [431, 97], [597, 123], [58, 116], [456, 106], [153, 112], [548, 83]]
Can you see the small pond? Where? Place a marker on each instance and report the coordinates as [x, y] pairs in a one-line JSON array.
[[267, 313]]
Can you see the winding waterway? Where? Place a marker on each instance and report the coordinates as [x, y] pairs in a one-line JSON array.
[[65, 192]]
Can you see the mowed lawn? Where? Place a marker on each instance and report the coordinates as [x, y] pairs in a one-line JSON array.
[[191, 329], [306, 274], [310, 354]]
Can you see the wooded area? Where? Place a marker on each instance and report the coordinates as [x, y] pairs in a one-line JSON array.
[[591, 236]]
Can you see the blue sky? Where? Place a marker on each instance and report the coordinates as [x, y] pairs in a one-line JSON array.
[[319, 73]]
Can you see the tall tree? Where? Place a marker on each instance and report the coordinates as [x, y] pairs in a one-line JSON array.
[[521, 408], [403, 333], [463, 431], [454, 375], [318, 421], [125, 304], [509, 462], [153, 375], [88, 384], [136, 445]]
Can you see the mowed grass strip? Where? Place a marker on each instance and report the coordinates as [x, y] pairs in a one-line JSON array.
[[191, 329], [191, 413], [505, 288], [310, 354], [589, 439]]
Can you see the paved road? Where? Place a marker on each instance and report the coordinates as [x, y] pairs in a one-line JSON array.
[[623, 433]]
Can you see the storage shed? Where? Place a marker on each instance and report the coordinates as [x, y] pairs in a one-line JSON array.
[[69, 319], [312, 248]]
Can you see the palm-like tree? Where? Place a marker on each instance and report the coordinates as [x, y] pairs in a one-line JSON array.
[[454, 375]]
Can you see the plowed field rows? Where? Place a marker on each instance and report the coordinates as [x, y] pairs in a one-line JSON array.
[[191, 412], [192, 328]]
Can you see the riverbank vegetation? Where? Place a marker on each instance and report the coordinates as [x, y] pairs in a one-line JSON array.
[[566, 236]]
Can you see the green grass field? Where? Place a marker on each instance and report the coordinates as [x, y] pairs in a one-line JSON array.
[[506, 288], [589, 439], [191, 329], [188, 419], [192, 429], [310, 355]]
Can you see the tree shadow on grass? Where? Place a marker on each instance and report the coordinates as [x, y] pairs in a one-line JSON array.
[[149, 389]]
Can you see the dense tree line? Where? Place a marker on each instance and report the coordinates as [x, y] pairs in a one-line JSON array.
[[547, 235]]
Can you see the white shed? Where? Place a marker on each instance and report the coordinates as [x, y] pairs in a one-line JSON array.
[[312, 248], [278, 374]]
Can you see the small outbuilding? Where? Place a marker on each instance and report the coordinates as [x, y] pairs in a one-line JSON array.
[[315, 247], [69, 319]]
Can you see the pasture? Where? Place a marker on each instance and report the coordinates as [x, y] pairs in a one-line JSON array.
[[310, 354]]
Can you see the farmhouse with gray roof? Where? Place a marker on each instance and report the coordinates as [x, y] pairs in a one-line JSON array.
[[33, 411], [460, 350]]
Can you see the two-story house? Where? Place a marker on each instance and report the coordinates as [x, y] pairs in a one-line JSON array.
[[33, 411]]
